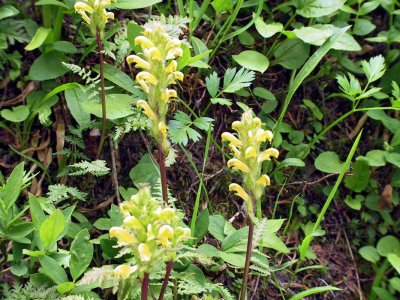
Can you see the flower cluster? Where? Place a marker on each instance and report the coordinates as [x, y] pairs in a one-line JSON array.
[[159, 72], [149, 231], [94, 13], [248, 157]]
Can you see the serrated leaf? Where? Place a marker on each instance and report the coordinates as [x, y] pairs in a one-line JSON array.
[[374, 68], [234, 81], [212, 84]]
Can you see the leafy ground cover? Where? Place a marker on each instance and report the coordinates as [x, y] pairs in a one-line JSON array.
[[199, 149]]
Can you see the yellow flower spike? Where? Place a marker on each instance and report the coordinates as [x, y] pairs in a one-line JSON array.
[[146, 76], [133, 223], [140, 63], [174, 53], [154, 53], [122, 235], [174, 43], [235, 150], [126, 208], [81, 6], [144, 42], [250, 152], [144, 252], [144, 86], [237, 125], [263, 181], [163, 129], [147, 109], [171, 67], [124, 271], [256, 122], [264, 135], [238, 164], [240, 192], [267, 154], [167, 214], [165, 233], [178, 75], [227, 136]]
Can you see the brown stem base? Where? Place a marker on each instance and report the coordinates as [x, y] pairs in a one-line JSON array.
[[145, 286], [170, 264], [248, 260]]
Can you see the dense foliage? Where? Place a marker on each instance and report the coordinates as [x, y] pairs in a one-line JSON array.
[[216, 149]]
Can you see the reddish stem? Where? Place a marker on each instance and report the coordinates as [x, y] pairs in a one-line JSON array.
[[248, 259], [170, 264], [103, 94], [145, 286]]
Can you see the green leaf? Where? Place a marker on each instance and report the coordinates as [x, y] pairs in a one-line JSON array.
[[38, 39], [51, 2], [252, 60], [117, 106], [388, 244], [313, 291], [393, 158], [376, 158], [221, 101], [395, 283], [369, 253], [314, 109], [291, 162], [202, 223], [216, 227], [292, 53], [37, 214], [81, 254], [133, 31], [74, 98], [52, 270], [363, 27], [328, 162], [41, 69], [383, 293], [103, 223], [129, 4], [234, 81], [118, 77], [19, 270], [16, 114], [65, 287], [7, 11], [234, 259], [20, 230], [266, 30], [317, 8], [51, 228], [359, 180], [394, 260], [64, 47], [374, 68], [10, 192], [145, 171], [212, 84], [354, 203], [222, 5]]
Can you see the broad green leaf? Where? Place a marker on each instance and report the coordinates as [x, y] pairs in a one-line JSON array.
[[7, 11], [37, 214], [117, 106], [237, 238], [395, 283], [16, 114], [20, 230], [81, 254], [65, 287], [266, 30], [74, 98], [291, 162], [393, 158], [359, 180], [376, 158], [292, 53], [374, 68], [222, 5], [208, 250], [129, 4], [216, 227], [363, 27], [369, 253], [12, 189], [133, 31], [317, 8], [234, 259], [314, 109], [52, 228], [64, 47], [51, 2], [328, 162], [394, 260], [369, 6], [145, 171], [388, 244], [202, 223], [52, 269], [42, 69], [383, 293], [390, 123], [118, 77], [354, 203], [252, 60], [19, 270], [313, 291], [199, 47], [38, 39]]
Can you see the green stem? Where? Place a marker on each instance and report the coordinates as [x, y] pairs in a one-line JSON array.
[[58, 22], [378, 278], [46, 16]]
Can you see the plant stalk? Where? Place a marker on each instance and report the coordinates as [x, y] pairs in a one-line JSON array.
[[170, 264], [145, 286], [163, 173], [248, 259], [103, 94]]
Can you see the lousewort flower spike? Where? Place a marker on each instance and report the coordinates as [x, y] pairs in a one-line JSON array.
[[94, 13], [150, 232], [246, 145], [159, 66]]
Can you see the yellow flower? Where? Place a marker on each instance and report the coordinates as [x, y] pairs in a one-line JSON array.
[[250, 152], [238, 164], [124, 271], [264, 135], [240, 192], [133, 223], [163, 129], [146, 76], [263, 181], [227, 136], [154, 53], [174, 53], [178, 75], [147, 109], [144, 252], [165, 233], [140, 63], [122, 235], [144, 42], [237, 125], [266, 154], [235, 150], [171, 67]]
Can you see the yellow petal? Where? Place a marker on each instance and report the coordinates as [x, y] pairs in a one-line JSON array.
[[235, 150], [174, 53], [237, 125], [147, 109], [84, 16], [238, 164], [122, 235], [154, 53], [266, 154], [140, 63], [227, 136], [124, 271], [256, 122], [163, 129], [250, 152], [178, 75], [144, 42], [239, 191], [148, 77], [81, 6], [165, 233], [133, 223], [144, 252], [263, 181], [264, 135], [171, 67]]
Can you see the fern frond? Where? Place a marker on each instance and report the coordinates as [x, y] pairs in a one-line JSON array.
[[96, 168], [59, 192], [101, 277]]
